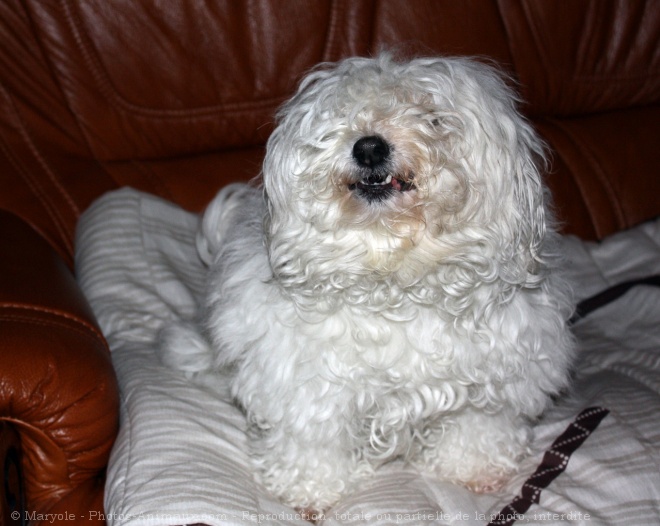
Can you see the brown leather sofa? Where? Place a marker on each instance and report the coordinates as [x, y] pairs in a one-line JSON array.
[[177, 98]]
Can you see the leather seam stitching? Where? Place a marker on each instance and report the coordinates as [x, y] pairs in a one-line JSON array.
[[107, 88], [33, 183], [79, 325]]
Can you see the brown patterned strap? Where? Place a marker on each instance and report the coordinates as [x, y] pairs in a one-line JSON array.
[[610, 294], [553, 464]]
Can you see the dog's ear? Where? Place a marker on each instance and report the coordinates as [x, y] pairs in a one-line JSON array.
[[512, 158], [526, 159], [517, 157], [531, 199]]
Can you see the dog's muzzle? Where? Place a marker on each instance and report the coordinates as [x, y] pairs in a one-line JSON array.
[[376, 179]]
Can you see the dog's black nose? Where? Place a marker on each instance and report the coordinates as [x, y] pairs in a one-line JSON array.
[[371, 151]]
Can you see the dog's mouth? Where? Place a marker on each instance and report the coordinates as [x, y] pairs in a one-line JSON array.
[[379, 190]]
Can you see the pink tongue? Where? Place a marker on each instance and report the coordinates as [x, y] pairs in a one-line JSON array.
[[396, 184]]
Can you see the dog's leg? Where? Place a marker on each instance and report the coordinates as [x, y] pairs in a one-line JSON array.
[[475, 449]]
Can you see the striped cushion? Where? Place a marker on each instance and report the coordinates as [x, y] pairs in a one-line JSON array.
[[181, 453]]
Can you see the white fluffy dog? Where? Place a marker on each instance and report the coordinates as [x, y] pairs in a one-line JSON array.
[[390, 293]]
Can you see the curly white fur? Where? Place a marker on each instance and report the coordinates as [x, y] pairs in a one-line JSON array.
[[421, 319]]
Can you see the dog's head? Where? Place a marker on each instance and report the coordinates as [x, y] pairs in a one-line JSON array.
[[392, 169]]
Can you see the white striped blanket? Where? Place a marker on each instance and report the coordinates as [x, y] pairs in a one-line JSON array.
[[180, 457]]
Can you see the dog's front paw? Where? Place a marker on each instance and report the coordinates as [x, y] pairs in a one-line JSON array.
[[479, 451], [490, 482], [309, 479], [309, 493]]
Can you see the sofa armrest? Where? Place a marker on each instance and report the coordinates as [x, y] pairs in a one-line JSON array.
[[57, 387]]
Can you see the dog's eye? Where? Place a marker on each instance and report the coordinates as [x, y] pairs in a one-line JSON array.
[[430, 119]]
